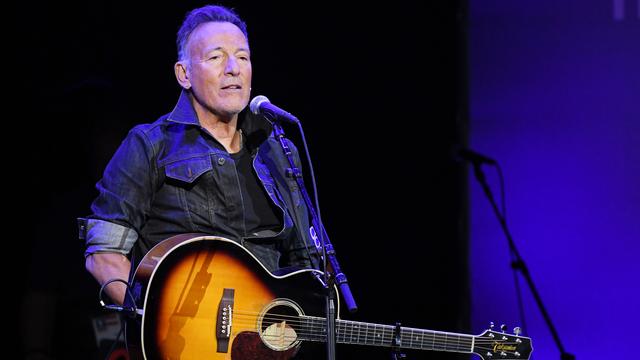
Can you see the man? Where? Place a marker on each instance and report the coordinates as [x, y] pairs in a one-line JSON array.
[[209, 166]]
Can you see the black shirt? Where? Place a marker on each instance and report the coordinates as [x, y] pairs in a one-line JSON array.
[[259, 212]]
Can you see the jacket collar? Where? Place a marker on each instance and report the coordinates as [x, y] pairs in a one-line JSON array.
[[256, 128], [183, 112]]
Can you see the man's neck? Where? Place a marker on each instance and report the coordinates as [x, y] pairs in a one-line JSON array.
[[222, 129]]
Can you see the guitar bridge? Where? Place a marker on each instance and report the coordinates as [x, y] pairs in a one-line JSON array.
[[224, 320]]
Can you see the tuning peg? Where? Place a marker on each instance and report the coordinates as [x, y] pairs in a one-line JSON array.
[[517, 331], [491, 325], [503, 327]]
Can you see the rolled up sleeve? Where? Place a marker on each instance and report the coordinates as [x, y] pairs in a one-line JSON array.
[[105, 236]]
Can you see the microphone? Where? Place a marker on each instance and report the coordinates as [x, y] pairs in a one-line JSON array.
[[475, 158], [261, 105]]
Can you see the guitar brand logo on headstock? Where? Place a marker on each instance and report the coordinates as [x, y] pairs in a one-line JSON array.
[[503, 347]]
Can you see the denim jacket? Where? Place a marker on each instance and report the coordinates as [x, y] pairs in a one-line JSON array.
[[172, 177]]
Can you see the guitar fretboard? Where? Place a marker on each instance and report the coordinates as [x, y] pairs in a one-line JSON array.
[[360, 333]]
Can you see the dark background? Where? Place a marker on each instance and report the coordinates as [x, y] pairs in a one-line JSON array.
[[381, 92]]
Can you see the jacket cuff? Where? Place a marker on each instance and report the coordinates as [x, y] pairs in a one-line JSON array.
[[105, 236]]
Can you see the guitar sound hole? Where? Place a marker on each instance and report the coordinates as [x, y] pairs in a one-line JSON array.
[[280, 324]]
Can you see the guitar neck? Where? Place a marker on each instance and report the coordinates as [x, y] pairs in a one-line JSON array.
[[361, 333]]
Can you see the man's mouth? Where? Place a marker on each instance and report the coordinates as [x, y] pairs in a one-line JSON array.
[[231, 87]]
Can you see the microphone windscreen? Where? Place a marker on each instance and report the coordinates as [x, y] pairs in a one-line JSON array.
[[255, 103]]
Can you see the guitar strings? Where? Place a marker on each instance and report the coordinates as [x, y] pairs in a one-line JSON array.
[[308, 323], [310, 329], [435, 344], [387, 342], [311, 319], [387, 339]]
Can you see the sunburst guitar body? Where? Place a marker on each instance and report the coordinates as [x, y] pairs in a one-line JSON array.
[[207, 297]]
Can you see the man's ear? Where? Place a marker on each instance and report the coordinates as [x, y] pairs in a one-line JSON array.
[[182, 74]]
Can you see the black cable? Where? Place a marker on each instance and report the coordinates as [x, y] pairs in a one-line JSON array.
[[319, 232], [133, 309], [115, 342], [123, 323]]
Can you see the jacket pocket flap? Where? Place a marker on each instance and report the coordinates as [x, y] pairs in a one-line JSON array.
[[188, 170]]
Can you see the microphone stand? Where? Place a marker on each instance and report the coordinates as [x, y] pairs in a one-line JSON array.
[[332, 273], [518, 263]]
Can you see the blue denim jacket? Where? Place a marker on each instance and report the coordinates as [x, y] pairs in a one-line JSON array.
[[172, 177]]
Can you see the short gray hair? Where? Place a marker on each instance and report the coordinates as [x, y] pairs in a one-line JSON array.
[[208, 13]]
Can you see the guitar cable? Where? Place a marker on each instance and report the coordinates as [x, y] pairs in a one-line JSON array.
[[320, 232], [130, 311]]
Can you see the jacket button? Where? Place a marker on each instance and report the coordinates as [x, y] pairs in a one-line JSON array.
[[221, 161]]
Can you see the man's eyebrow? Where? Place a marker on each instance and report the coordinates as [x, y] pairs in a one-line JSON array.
[[220, 48], [208, 50]]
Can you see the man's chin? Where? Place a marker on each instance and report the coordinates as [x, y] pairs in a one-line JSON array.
[[231, 108], [234, 107], [229, 112]]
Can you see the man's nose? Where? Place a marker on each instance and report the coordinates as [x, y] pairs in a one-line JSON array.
[[232, 67]]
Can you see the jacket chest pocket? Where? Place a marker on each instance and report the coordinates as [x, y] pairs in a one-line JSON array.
[[188, 170], [190, 185]]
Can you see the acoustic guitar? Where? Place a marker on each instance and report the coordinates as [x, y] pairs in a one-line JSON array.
[[207, 297]]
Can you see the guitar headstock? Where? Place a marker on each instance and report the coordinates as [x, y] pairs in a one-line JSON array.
[[500, 345]]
